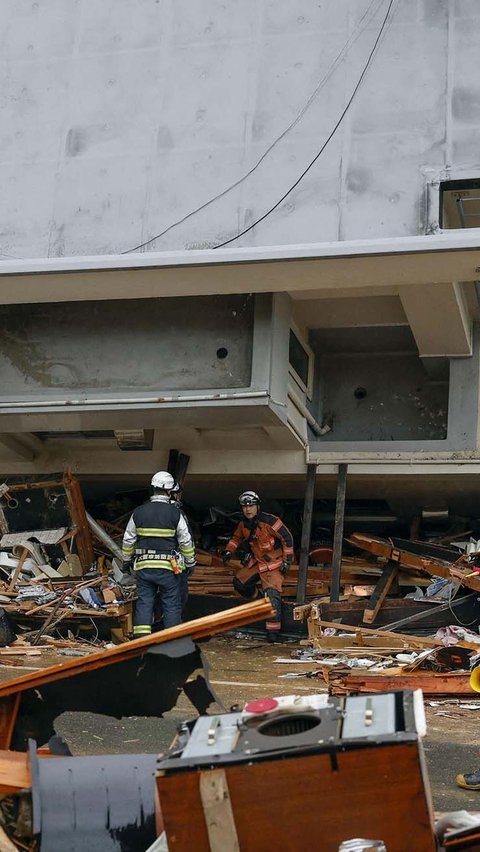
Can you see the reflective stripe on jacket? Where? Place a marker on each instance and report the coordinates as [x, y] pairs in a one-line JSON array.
[[269, 541], [155, 531]]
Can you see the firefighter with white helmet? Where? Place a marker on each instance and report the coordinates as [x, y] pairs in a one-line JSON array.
[[158, 546], [269, 555]]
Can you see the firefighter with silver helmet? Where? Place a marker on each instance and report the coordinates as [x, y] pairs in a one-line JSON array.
[[158, 546], [269, 546]]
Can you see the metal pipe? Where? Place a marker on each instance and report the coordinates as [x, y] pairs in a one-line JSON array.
[[105, 538], [338, 533], [57, 403], [306, 533], [314, 424]]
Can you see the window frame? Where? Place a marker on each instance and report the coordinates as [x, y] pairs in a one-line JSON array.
[[308, 387]]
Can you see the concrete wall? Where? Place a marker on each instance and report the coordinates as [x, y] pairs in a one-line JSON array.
[[120, 118], [113, 346], [372, 386]]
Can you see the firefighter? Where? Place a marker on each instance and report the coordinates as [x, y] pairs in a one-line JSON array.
[[269, 546], [158, 546]]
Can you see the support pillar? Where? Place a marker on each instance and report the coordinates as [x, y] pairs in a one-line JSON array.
[[306, 533], [338, 533]]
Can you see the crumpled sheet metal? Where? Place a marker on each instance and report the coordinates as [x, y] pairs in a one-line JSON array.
[[94, 804]]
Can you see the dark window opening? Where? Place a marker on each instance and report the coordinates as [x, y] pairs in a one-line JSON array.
[[299, 358]]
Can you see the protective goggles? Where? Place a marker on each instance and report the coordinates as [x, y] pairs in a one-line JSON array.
[[248, 501]]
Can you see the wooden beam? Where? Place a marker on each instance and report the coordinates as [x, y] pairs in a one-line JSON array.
[[76, 508], [338, 533], [306, 532], [381, 590]]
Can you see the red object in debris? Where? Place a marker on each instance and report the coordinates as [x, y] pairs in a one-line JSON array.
[[321, 555], [261, 705]]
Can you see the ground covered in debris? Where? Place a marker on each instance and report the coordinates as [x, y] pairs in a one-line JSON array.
[[244, 667]]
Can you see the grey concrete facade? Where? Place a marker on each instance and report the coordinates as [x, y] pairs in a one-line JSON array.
[[120, 118], [125, 119]]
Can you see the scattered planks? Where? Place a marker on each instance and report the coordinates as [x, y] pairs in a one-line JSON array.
[[212, 577]]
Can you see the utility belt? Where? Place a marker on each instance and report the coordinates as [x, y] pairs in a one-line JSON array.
[[174, 557]]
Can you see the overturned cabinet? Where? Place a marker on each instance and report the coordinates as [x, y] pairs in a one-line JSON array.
[[286, 771]]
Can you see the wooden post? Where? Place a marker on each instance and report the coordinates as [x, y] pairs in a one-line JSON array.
[[338, 533], [306, 532], [76, 507]]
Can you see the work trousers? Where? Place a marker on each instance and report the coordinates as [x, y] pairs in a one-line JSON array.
[[246, 583], [168, 586]]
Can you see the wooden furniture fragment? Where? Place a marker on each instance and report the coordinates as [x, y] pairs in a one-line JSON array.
[[275, 808]]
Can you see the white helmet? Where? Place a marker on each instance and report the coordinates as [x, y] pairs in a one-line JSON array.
[[249, 498], [163, 479]]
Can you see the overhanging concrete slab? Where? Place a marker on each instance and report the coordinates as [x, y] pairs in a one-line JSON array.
[[437, 259]]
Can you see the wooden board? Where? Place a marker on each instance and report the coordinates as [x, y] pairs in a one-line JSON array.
[[14, 772], [383, 586]]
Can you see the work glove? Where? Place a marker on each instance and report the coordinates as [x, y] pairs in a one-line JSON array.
[[285, 568], [226, 556], [127, 566]]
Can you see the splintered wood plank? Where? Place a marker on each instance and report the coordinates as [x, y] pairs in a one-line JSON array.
[[14, 772], [217, 809], [8, 716], [382, 588]]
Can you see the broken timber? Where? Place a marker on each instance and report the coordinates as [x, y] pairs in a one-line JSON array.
[[443, 564], [384, 583]]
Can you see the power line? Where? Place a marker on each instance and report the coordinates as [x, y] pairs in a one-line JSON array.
[[340, 56], [330, 136]]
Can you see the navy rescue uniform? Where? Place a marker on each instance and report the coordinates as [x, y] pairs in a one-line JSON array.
[[157, 538]]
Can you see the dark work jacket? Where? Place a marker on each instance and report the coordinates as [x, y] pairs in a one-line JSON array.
[[156, 525]]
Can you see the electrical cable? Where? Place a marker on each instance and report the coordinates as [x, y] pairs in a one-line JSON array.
[[462, 623], [338, 59], [330, 136]]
